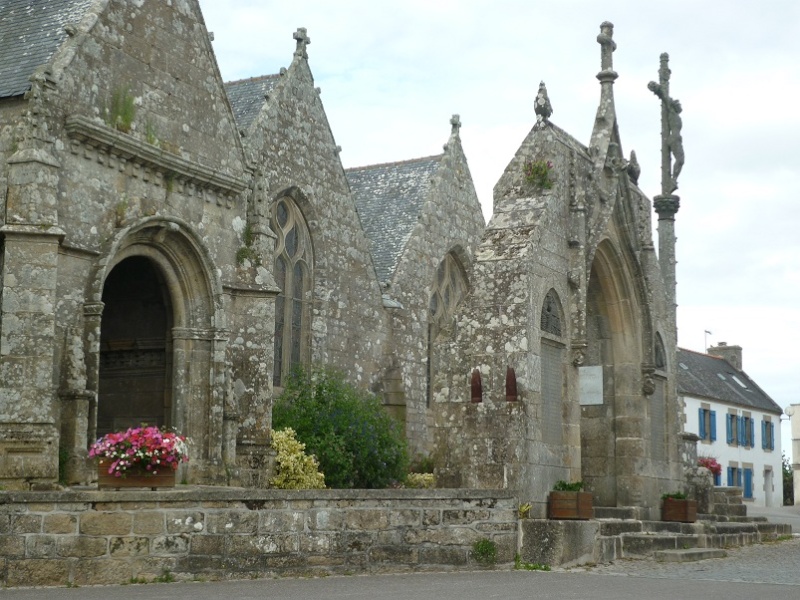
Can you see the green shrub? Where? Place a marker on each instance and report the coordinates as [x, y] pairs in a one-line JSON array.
[[357, 443], [296, 470], [421, 463], [673, 496], [484, 551], [563, 486]]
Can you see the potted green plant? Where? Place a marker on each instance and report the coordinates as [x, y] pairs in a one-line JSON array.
[[139, 457], [568, 501], [675, 506]]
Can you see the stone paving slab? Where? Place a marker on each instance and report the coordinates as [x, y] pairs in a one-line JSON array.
[[773, 562]]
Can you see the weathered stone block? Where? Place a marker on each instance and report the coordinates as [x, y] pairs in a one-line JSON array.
[[102, 571], [106, 523], [149, 522], [439, 556], [232, 522], [170, 544], [281, 521], [12, 546], [393, 554], [371, 520], [120, 547], [324, 519], [82, 546], [26, 523], [262, 544], [60, 523], [558, 543], [38, 572], [185, 523], [41, 546]]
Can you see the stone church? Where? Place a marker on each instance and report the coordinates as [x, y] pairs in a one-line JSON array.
[[171, 245]]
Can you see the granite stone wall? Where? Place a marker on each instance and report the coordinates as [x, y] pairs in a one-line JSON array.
[[117, 537]]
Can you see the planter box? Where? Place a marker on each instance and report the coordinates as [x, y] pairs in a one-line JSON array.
[[164, 478], [682, 511], [569, 505]]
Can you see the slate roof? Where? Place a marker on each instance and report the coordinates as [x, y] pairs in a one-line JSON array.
[[30, 33], [716, 379], [389, 200], [247, 96]]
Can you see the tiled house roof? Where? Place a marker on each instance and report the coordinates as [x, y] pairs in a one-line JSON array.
[[389, 199], [247, 96], [30, 32], [705, 376]]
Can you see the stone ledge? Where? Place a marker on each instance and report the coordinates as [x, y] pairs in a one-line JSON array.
[[198, 493], [123, 145]]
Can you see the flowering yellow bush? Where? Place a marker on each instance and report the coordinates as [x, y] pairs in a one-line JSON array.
[[420, 480], [296, 470]]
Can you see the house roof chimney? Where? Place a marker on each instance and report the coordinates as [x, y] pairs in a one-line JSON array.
[[733, 354]]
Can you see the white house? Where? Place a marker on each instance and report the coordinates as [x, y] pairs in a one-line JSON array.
[[737, 422]]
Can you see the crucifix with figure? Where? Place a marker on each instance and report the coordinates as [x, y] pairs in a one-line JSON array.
[[671, 123]]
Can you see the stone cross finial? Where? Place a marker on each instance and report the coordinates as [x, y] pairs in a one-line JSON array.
[[542, 106], [302, 42], [455, 123], [608, 45], [671, 124]]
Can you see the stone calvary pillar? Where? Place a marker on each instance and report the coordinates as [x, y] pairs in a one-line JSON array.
[[667, 203]]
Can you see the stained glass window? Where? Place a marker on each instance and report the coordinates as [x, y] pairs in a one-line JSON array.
[[450, 287], [293, 274]]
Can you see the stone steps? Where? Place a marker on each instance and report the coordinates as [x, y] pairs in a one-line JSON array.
[[688, 555], [606, 539], [642, 539], [644, 545]]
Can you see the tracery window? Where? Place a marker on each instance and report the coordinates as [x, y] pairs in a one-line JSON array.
[[660, 357], [294, 262], [449, 288], [551, 314], [552, 365]]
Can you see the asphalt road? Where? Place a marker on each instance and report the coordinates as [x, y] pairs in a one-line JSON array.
[[509, 585], [767, 570]]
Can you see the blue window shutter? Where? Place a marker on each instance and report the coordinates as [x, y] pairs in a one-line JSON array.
[[752, 433], [713, 420], [740, 441], [718, 479], [701, 423], [730, 476], [764, 440], [748, 483], [729, 428], [771, 435]]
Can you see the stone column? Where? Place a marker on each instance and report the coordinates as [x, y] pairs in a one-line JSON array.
[[793, 411]]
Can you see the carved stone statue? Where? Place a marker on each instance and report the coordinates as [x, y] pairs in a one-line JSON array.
[[671, 123]]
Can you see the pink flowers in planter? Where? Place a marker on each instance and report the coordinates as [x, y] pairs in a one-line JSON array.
[[710, 463], [141, 450]]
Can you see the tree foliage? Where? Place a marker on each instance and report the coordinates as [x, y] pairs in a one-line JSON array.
[[357, 443], [788, 481]]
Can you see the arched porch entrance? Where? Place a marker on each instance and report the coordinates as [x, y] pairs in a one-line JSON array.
[[156, 309], [612, 443], [135, 348]]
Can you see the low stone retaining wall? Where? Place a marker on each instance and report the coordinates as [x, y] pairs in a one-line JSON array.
[[112, 537]]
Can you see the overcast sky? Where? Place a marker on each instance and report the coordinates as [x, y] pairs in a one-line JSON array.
[[393, 72]]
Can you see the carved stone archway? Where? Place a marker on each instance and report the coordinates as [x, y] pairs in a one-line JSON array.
[[195, 339], [612, 432]]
